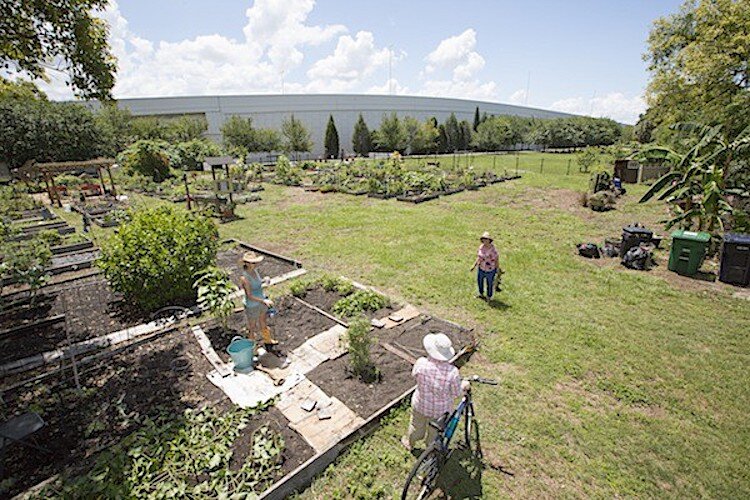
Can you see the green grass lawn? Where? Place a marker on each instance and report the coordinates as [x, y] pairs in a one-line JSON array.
[[612, 382]]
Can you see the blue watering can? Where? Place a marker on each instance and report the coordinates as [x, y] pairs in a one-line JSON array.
[[241, 351]]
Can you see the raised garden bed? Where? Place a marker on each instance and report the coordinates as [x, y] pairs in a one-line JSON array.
[[273, 264], [418, 198], [325, 300], [158, 379], [65, 262]]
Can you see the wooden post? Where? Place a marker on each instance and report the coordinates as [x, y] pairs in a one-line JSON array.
[[49, 191], [187, 190], [111, 181], [494, 157], [54, 188], [541, 166], [101, 179], [516, 163], [568, 171]]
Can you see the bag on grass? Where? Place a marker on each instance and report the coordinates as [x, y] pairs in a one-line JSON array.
[[589, 250], [638, 257]]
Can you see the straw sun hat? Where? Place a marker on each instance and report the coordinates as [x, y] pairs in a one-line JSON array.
[[439, 346], [252, 258], [486, 235]]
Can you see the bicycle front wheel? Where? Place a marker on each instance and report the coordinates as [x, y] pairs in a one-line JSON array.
[[423, 476], [471, 434]]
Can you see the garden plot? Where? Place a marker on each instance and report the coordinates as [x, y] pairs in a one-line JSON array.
[[273, 265], [105, 213], [149, 383], [314, 389]]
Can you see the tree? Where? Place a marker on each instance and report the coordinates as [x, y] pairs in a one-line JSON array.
[[296, 136], [698, 60], [477, 119], [154, 257], [331, 139], [700, 186], [114, 125], [148, 158], [422, 137], [190, 155], [464, 135], [239, 134], [391, 135], [442, 141], [452, 134], [33, 33], [361, 137], [494, 134], [644, 129], [41, 130]]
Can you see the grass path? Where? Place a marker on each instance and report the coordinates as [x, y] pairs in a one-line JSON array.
[[613, 382]]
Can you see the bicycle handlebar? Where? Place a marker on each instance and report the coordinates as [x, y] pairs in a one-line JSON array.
[[480, 380]]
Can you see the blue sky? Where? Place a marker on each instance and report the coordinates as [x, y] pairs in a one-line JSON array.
[[578, 56]]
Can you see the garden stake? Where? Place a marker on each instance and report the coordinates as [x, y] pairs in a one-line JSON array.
[[67, 337]]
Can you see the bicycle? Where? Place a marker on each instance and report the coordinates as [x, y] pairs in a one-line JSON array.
[[423, 476]]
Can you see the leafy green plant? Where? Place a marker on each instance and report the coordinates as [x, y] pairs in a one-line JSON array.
[[150, 158], [215, 291], [27, 264], [154, 256], [338, 285], [49, 237], [286, 173], [299, 288], [359, 302], [360, 341], [185, 457]]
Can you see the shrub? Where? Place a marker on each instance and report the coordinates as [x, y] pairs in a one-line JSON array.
[[360, 341], [190, 155], [215, 293], [154, 256], [49, 237], [27, 264], [150, 158], [359, 302], [286, 173]]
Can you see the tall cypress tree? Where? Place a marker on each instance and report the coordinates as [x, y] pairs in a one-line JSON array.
[[477, 120], [361, 138], [332, 139]]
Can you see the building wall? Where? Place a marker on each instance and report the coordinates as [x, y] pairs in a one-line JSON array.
[[269, 111]]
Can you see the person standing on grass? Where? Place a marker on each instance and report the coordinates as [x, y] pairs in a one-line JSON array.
[[438, 385], [487, 264]]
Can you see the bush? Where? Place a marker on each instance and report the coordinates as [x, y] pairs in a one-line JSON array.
[[286, 173], [191, 154], [360, 341], [27, 264], [359, 302], [154, 256], [148, 158]]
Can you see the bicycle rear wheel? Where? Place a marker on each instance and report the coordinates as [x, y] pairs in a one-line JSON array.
[[423, 476]]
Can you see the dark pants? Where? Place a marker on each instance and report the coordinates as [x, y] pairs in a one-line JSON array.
[[489, 278]]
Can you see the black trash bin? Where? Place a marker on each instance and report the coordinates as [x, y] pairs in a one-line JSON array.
[[735, 259], [633, 236]]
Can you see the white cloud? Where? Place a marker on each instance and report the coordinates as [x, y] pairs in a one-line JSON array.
[[456, 56], [518, 97], [351, 62], [615, 105], [456, 53], [388, 87]]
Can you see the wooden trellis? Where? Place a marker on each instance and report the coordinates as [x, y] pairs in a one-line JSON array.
[[48, 171]]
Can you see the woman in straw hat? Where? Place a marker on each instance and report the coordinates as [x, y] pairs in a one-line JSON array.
[[438, 385], [487, 264], [256, 303]]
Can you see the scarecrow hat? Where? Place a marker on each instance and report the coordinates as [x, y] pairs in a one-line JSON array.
[[438, 346], [252, 258]]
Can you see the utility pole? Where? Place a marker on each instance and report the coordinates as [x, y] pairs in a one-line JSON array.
[[390, 70]]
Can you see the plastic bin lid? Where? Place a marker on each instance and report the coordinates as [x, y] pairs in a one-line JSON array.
[[637, 230], [691, 236], [742, 239]]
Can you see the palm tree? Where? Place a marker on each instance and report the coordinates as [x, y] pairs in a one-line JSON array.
[[704, 177]]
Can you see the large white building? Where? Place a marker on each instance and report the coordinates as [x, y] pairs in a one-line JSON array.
[[268, 111]]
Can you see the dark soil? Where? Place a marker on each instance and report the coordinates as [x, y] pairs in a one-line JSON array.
[[116, 394], [296, 450], [229, 256], [293, 324], [364, 399], [91, 308], [325, 300], [408, 337]]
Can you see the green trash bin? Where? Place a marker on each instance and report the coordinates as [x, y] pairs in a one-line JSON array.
[[688, 251]]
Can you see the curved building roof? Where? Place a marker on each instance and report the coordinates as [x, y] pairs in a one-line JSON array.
[[313, 110]]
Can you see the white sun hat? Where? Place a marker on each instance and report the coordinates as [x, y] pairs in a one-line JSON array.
[[439, 346]]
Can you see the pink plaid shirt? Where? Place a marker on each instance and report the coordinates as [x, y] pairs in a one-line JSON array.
[[438, 385]]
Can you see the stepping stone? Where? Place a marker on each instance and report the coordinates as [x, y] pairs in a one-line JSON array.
[[331, 343], [400, 317]]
